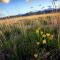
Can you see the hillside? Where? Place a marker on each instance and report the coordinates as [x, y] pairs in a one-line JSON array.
[[17, 19]]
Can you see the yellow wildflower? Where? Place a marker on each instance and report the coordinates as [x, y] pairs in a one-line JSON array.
[[41, 32], [44, 42], [43, 35], [38, 43], [37, 31], [48, 34], [35, 55], [51, 37]]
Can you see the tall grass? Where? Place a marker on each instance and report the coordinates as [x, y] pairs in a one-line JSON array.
[[30, 40]]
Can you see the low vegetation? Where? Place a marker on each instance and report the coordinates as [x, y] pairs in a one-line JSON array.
[[30, 40]]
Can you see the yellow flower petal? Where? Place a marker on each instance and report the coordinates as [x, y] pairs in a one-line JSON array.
[[51, 37], [48, 34], [38, 43], [44, 41], [35, 55], [41, 32], [43, 35]]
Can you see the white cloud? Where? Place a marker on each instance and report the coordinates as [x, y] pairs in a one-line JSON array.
[[57, 4]]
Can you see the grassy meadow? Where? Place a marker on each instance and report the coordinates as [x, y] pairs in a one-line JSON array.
[[34, 37]]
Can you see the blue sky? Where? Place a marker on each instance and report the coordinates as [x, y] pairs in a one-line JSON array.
[[15, 7]]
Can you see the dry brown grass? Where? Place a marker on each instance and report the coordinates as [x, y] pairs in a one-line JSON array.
[[51, 16]]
